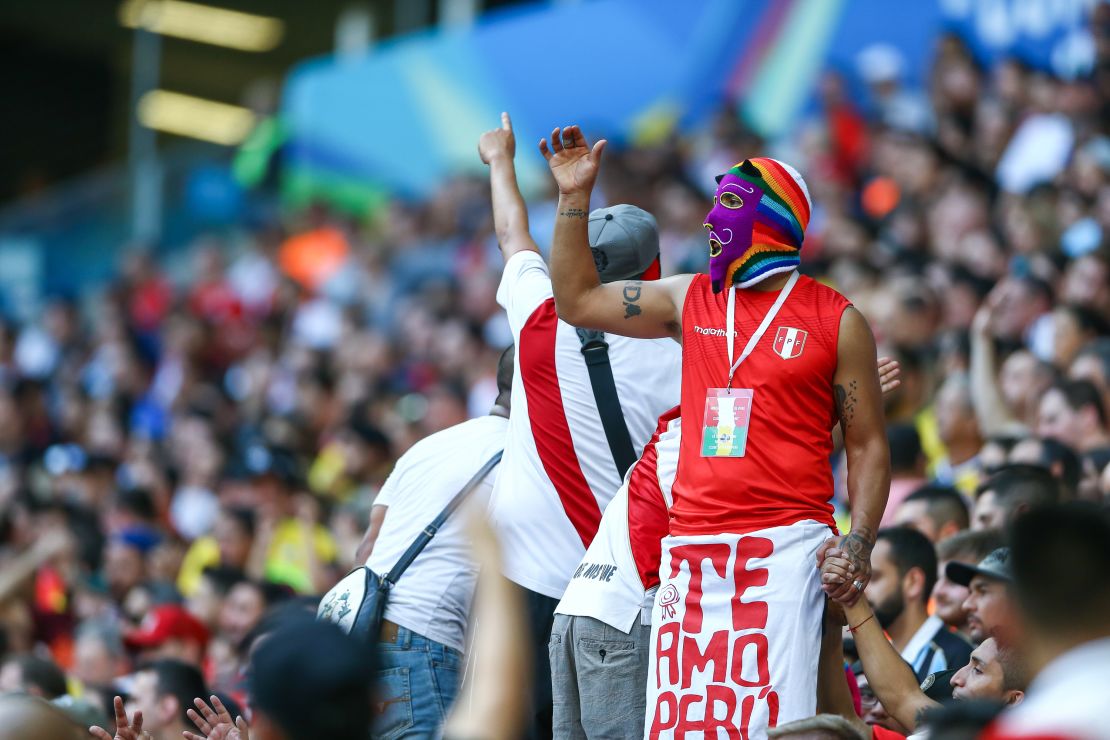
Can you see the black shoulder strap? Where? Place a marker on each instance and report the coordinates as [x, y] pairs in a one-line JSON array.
[[429, 531], [596, 351]]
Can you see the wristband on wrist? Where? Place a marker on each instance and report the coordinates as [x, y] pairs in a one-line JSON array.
[[869, 618]]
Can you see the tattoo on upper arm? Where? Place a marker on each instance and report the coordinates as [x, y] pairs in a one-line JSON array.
[[631, 297], [846, 402], [573, 213]]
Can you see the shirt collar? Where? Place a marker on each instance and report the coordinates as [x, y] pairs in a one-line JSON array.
[[921, 639]]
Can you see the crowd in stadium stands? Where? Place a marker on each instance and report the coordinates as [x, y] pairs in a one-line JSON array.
[[188, 460]]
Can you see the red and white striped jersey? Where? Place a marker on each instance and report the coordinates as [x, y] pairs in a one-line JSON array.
[[558, 474], [621, 565]]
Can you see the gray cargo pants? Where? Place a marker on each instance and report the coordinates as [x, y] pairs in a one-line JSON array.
[[598, 678]]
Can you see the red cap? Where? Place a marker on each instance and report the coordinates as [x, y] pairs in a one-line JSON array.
[[164, 623]]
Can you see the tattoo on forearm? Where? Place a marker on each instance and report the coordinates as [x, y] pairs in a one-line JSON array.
[[573, 213], [857, 546], [631, 297], [846, 402]]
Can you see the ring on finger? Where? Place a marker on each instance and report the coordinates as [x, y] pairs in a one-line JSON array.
[[857, 585]]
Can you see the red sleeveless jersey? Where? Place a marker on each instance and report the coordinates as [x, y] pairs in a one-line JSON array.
[[785, 476]]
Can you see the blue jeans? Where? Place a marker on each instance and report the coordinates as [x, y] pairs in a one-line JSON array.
[[418, 679]]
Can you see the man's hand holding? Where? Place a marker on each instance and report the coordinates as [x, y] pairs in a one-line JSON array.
[[573, 163], [845, 565], [498, 143]]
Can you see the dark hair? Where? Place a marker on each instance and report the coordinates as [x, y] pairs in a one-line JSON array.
[[905, 447], [1036, 286], [1016, 672], [1080, 394], [1054, 452], [1098, 457], [1088, 321], [961, 719], [974, 546], [223, 577], [137, 501], [243, 517], [943, 504], [1017, 487], [910, 549], [40, 673], [1061, 565], [179, 680], [313, 681], [1099, 349], [275, 593], [505, 367]]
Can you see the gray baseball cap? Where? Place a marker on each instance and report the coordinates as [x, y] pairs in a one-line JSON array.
[[624, 240], [995, 566]]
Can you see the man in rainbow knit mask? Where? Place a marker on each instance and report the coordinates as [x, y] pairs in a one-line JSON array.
[[771, 362]]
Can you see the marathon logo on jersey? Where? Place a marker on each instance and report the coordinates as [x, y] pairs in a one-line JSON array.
[[789, 342], [712, 331]]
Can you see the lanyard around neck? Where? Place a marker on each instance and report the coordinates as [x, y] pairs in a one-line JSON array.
[[730, 323]]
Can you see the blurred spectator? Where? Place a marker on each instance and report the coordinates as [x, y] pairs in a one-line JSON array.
[[1062, 583], [907, 466], [31, 718], [937, 512], [244, 607], [207, 600], [169, 632], [164, 691], [1052, 455], [309, 680], [98, 655], [229, 545], [958, 429], [1072, 413], [1012, 490], [1092, 364], [291, 546], [32, 675]]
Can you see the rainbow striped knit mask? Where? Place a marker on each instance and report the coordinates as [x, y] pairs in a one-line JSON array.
[[757, 223]]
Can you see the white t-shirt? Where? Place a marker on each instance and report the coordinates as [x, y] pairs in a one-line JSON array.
[[1070, 697], [558, 474], [621, 565], [433, 596]]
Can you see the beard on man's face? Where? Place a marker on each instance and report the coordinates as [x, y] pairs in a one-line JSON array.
[[889, 609]]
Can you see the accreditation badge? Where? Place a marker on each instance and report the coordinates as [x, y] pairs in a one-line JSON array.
[[725, 429]]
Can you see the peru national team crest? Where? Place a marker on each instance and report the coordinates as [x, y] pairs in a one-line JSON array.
[[789, 342]]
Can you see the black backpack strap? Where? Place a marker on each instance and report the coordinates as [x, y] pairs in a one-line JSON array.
[[429, 531], [596, 351]]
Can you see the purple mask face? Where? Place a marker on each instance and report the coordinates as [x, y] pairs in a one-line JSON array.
[[730, 223]]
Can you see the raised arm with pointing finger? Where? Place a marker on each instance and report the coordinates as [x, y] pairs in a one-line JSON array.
[[632, 308], [510, 216]]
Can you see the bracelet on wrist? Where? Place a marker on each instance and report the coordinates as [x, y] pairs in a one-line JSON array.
[[869, 618]]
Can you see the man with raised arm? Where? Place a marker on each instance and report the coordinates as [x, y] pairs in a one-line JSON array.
[[771, 361], [584, 403]]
